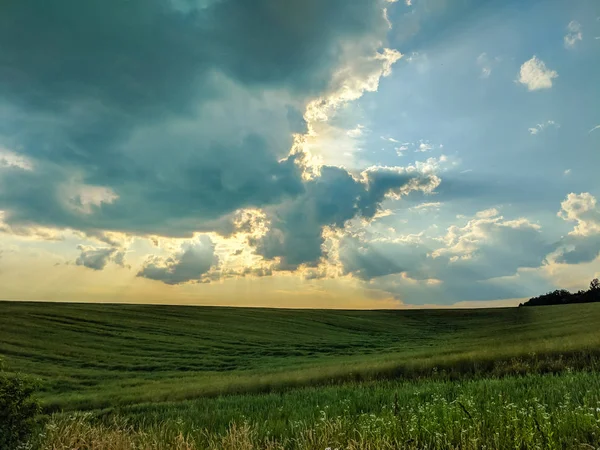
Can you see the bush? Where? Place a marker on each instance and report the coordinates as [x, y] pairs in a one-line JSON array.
[[18, 411]]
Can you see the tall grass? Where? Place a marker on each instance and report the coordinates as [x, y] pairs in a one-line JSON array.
[[531, 412]]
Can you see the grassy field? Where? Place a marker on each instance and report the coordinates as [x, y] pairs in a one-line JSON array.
[[99, 356], [153, 376]]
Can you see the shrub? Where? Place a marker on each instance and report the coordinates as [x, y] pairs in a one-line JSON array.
[[18, 411]]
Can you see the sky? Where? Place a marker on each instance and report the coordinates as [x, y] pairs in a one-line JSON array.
[[306, 153]]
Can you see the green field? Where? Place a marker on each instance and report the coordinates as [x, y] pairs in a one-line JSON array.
[[286, 373], [525, 412]]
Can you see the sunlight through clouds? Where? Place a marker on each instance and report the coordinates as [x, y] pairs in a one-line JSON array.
[[390, 151]]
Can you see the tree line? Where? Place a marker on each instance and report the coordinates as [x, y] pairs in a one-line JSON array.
[[564, 297]]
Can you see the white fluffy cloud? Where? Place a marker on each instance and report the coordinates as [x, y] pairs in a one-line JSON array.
[[582, 244], [434, 165], [535, 75], [584, 211]]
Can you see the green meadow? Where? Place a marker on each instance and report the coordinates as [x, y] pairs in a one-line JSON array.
[[133, 376]]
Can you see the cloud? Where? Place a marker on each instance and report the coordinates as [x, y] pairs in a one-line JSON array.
[[114, 239], [576, 249], [594, 129], [582, 209], [144, 131], [400, 150], [485, 65], [487, 213], [421, 146], [535, 75], [191, 263], [30, 231], [424, 147], [368, 260], [582, 244], [359, 74], [85, 198], [356, 132], [12, 160], [427, 206], [489, 235], [433, 165], [573, 35], [97, 258], [326, 143], [464, 262], [542, 126], [295, 236]]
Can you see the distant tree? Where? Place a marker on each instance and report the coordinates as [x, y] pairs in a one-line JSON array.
[[563, 297]]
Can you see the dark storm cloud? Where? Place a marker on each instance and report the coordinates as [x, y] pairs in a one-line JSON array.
[[98, 258], [183, 110], [191, 263], [146, 56], [296, 233], [371, 260], [577, 249]]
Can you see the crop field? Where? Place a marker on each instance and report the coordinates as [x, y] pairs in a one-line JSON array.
[[125, 376]]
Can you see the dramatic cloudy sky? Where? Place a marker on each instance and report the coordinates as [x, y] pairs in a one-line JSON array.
[[299, 153]]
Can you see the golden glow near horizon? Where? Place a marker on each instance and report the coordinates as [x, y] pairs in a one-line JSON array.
[[42, 275]]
